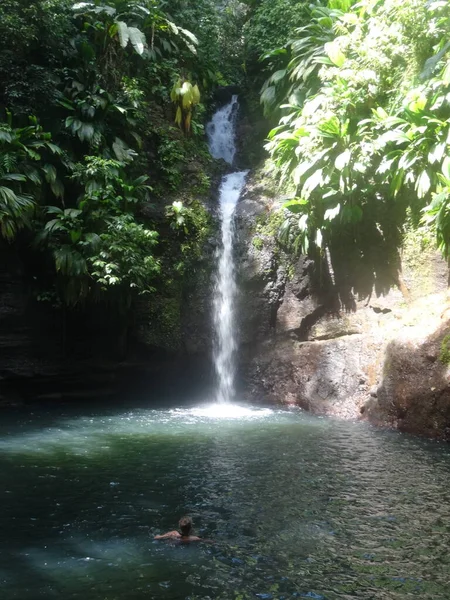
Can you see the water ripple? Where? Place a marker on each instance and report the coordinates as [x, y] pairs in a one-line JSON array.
[[298, 507]]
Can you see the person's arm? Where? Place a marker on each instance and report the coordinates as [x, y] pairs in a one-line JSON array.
[[167, 536]]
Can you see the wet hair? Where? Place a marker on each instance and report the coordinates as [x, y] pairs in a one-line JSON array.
[[185, 525]]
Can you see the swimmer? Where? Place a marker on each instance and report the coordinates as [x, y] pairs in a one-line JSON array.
[[184, 535]]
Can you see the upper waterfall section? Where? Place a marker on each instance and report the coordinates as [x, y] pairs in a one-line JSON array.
[[221, 132]]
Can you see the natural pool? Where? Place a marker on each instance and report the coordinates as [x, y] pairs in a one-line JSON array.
[[298, 506]]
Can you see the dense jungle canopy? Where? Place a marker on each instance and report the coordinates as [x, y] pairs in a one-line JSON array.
[[103, 107]]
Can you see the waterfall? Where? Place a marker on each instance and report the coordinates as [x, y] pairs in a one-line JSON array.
[[221, 137], [221, 132]]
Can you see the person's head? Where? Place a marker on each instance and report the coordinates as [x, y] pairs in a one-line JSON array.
[[185, 525]]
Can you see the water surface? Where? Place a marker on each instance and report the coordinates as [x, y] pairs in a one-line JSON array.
[[299, 507]]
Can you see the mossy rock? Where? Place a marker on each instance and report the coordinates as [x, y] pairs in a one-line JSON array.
[[444, 354], [258, 243]]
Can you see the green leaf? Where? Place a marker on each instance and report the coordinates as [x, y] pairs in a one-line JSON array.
[[50, 173], [418, 101], [13, 177], [446, 74], [303, 223], [73, 123], [137, 39], [332, 213], [272, 53], [67, 104], [334, 53], [178, 116], [32, 154], [397, 181], [109, 10], [5, 136], [394, 136], [173, 27], [268, 97], [138, 139], [431, 63], [437, 152], [315, 180], [278, 76], [446, 167], [57, 188], [330, 128], [75, 235], [86, 132], [189, 35], [319, 238], [381, 113], [296, 205], [54, 148], [69, 262], [122, 151], [123, 32], [54, 225], [72, 213], [195, 95], [343, 160], [54, 210], [423, 184]]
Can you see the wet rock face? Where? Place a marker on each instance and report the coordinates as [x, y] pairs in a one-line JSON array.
[[327, 377], [300, 344], [261, 277]]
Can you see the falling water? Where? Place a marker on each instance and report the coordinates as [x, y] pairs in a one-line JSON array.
[[221, 136], [221, 132]]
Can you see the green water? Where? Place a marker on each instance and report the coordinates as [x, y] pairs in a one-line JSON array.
[[298, 507]]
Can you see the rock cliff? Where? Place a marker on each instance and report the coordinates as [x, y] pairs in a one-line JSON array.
[[380, 357]]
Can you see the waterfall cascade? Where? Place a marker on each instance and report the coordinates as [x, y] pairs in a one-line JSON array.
[[221, 136]]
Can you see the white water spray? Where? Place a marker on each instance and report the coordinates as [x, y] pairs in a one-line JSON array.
[[221, 135]]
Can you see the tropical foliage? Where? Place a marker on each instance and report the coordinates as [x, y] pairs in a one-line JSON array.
[[102, 107], [364, 136], [86, 184]]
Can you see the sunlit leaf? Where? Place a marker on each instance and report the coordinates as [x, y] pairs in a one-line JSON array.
[[124, 34], [195, 94], [446, 167], [137, 39], [335, 53], [189, 34], [319, 238], [342, 160], [173, 27], [296, 205], [446, 74], [437, 152], [423, 184], [332, 213]]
